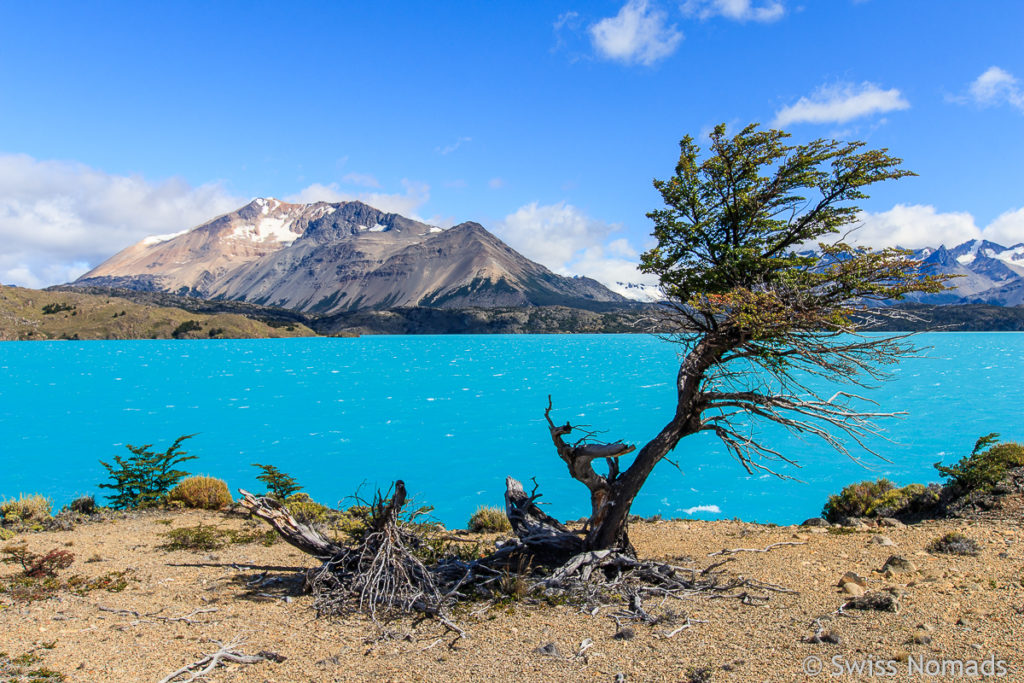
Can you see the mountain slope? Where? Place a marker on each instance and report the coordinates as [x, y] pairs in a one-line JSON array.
[[347, 256]]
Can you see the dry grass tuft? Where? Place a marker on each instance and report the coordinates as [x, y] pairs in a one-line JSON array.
[[201, 492]]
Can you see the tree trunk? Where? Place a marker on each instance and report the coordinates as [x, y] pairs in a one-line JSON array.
[[612, 495]]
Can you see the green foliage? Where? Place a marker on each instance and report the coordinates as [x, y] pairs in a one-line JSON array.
[[201, 492], [954, 543], [18, 669], [733, 220], [50, 309], [26, 509], [856, 499], [879, 498], [308, 511], [986, 466], [279, 485], [186, 327], [489, 519], [145, 479], [211, 537]]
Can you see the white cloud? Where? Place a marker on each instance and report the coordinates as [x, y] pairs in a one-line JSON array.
[[448, 149], [496, 183], [567, 241], [360, 179], [738, 10], [916, 226], [406, 203], [997, 86], [1007, 229], [58, 219], [841, 103], [637, 34]]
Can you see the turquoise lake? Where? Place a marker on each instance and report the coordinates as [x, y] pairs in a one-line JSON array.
[[453, 415]]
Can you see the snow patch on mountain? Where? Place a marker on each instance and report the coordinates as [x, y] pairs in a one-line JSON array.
[[157, 239], [266, 230], [637, 291]]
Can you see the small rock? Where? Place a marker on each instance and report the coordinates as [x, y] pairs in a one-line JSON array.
[[853, 589], [884, 541], [898, 564], [549, 650], [816, 522], [922, 639], [827, 637], [851, 577], [891, 522], [926, 627], [624, 634]]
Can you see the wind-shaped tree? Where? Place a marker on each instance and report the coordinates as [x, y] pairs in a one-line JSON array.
[[755, 316]]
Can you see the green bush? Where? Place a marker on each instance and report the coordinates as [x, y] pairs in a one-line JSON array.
[[204, 493], [986, 466], [307, 510], [489, 519], [145, 479], [27, 509], [279, 485], [879, 498], [856, 499]]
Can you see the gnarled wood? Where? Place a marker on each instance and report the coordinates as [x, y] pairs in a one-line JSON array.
[[537, 530], [296, 533]]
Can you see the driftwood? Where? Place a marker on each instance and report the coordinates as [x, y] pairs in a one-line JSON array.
[[541, 534], [226, 653], [300, 535]]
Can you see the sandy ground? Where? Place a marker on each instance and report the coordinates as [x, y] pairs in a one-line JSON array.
[[958, 608]]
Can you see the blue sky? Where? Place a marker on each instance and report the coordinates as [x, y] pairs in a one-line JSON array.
[[544, 121]]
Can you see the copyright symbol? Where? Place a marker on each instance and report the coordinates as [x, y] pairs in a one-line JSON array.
[[812, 665]]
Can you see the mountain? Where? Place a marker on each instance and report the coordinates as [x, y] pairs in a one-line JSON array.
[[331, 257], [986, 273]]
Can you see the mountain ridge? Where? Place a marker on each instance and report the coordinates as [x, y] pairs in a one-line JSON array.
[[329, 257]]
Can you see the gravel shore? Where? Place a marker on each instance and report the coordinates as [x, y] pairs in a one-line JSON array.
[[178, 605]]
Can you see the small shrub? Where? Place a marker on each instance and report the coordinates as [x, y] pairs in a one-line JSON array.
[[145, 479], [204, 493], [986, 466], [954, 543], [307, 510], [855, 499], [279, 485], [879, 498], [489, 519], [26, 509], [206, 537], [36, 566], [83, 505], [197, 537]]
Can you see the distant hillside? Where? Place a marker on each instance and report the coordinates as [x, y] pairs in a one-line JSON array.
[[347, 256], [30, 314], [612, 318]]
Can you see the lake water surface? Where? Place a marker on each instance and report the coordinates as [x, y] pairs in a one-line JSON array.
[[453, 415]]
